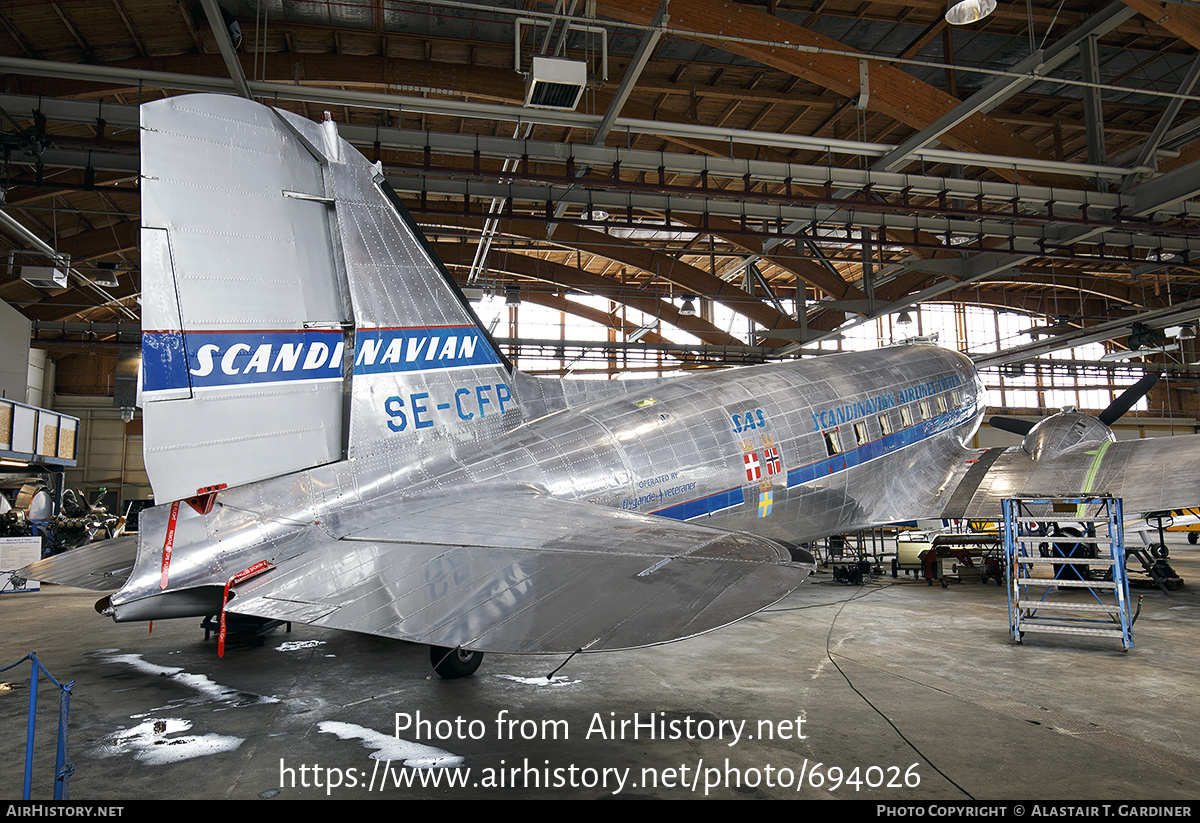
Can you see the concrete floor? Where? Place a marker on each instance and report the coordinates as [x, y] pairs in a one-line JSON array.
[[914, 687]]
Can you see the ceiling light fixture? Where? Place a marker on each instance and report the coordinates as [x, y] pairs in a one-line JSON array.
[[688, 309], [962, 12]]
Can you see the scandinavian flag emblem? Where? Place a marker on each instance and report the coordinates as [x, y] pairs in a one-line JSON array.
[[753, 469], [771, 458]]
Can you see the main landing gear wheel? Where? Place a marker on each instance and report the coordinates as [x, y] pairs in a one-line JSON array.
[[452, 664]]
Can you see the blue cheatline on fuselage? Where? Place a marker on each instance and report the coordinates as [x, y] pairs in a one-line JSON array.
[[729, 498]]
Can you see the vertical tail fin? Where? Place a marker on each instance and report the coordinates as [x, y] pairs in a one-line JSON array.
[[292, 313]]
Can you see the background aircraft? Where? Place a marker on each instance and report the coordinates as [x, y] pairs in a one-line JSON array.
[[353, 451]]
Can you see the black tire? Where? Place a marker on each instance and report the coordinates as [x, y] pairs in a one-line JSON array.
[[1193, 537], [451, 664], [1159, 550]]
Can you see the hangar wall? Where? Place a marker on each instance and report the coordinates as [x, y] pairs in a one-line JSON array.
[[14, 353]]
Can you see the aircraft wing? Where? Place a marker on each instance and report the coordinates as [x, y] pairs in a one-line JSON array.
[[524, 573], [98, 567], [1152, 474]]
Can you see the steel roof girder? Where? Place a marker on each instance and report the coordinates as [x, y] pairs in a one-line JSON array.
[[1166, 191], [1158, 318], [1025, 236], [763, 171], [760, 171], [226, 47], [464, 108], [1035, 66]]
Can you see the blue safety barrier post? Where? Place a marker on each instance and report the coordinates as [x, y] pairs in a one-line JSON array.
[[62, 769]]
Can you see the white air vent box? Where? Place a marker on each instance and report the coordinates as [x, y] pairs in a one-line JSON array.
[[44, 277], [555, 84]]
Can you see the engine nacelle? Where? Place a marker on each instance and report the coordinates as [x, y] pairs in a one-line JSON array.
[[1065, 430]]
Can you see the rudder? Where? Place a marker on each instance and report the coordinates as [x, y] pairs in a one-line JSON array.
[[293, 315]]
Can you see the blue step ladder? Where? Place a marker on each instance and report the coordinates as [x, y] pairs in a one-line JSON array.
[[1066, 566]]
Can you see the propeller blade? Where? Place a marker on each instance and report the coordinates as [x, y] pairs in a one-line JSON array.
[[1116, 410], [1012, 424]]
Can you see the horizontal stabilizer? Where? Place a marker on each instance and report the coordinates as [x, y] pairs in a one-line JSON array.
[[526, 574], [98, 567]]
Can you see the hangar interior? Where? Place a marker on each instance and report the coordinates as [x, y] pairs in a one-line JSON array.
[[634, 188], [843, 175]]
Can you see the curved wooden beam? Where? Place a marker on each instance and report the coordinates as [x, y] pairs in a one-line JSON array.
[[812, 273], [459, 254], [683, 275], [602, 318], [893, 92]]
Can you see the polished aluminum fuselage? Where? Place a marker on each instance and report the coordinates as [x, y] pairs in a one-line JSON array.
[[305, 353], [697, 448], [712, 447]]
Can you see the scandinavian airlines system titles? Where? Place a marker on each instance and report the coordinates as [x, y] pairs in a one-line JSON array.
[[391, 350], [214, 359], [861, 408]]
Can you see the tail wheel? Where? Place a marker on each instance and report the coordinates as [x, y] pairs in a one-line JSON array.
[[452, 664]]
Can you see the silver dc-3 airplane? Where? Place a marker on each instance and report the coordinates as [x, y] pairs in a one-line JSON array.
[[339, 443]]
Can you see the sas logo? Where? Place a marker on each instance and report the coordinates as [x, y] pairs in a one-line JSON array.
[[753, 419]]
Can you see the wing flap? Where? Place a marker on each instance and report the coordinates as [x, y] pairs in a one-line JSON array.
[[1152, 474], [574, 578], [99, 567]]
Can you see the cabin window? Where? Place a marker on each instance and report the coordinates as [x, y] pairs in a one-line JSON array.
[[906, 418], [941, 401], [924, 407], [885, 424], [833, 442], [860, 432]]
